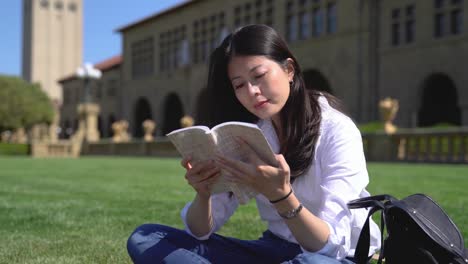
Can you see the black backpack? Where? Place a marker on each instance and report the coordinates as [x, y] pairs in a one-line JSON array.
[[418, 231]]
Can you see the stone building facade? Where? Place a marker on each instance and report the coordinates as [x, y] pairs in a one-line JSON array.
[[52, 42], [105, 92], [359, 50]]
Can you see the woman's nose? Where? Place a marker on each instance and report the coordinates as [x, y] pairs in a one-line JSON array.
[[254, 89]]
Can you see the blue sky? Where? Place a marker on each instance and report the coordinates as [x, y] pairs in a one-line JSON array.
[[100, 18]]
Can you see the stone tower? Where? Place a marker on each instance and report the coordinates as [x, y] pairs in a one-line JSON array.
[[52, 42]]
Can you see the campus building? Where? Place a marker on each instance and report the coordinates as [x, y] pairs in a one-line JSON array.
[[52, 42], [105, 92], [359, 50]]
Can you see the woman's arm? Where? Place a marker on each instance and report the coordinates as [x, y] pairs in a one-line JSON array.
[[310, 231], [201, 177], [343, 176], [273, 182], [199, 218], [206, 213]]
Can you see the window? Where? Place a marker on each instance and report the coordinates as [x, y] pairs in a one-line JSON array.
[[59, 5], [223, 34], [304, 28], [259, 12], [448, 17], [291, 20], [72, 7], [456, 17], [331, 18], [172, 49], [112, 87], [98, 89], [456, 22], [66, 96], [206, 35], [304, 20], [439, 25], [402, 25], [77, 94], [292, 28], [409, 24], [395, 34], [395, 26], [247, 10], [142, 52], [237, 12], [45, 3], [184, 52], [317, 26]]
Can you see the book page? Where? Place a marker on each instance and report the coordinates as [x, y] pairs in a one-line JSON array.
[[197, 142], [225, 135]]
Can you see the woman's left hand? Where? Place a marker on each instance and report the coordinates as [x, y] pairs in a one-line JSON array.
[[273, 182]]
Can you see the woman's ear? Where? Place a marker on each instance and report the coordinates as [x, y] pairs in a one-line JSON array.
[[290, 69]]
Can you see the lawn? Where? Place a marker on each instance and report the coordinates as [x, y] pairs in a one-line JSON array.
[[82, 210]]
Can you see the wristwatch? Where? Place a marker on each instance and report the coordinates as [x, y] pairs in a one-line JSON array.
[[291, 213]]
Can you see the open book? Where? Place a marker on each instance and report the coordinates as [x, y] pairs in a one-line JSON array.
[[202, 143]]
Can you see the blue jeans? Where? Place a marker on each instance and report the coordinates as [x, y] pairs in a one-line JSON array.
[[153, 243]]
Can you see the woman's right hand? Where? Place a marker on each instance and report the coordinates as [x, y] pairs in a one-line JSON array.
[[201, 175]]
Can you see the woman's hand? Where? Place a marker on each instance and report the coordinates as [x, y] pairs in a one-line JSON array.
[[273, 182], [201, 175]]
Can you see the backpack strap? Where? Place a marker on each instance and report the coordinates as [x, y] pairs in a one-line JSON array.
[[376, 203], [361, 253], [370, 201]]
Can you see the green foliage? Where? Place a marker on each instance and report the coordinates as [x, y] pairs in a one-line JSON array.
[[371, 127], [378, 126], [83, 210], [22, 104], [14, 149]]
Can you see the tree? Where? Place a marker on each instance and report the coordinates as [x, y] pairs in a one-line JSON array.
[[22, 104]]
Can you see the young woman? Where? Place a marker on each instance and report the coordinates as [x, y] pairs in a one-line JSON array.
[[254, 77]]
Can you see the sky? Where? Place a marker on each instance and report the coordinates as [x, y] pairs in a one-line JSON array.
[[101, 18]]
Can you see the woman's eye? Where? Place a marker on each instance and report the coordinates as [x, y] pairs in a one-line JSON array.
[[260, 76], [238, 86]]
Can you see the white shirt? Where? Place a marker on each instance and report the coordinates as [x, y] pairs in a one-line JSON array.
[[337, 175]]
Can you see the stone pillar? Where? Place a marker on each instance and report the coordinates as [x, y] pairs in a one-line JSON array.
[[53, 127], [148, 126], [88, 113], [19, 136]]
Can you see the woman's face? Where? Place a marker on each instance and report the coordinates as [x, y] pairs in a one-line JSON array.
[[261, 85]]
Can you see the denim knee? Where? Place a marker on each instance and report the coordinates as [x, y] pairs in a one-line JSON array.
[[144, 237], [312, 258]]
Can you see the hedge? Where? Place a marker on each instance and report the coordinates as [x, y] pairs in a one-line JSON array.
[[14, 149]]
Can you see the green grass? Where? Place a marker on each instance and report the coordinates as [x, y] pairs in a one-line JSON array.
[[83, 210]]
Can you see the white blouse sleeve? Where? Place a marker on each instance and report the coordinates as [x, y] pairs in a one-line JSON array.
[[223, 206], [344, 177]]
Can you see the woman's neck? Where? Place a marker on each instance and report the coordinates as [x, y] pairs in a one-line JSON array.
[[276, 121]]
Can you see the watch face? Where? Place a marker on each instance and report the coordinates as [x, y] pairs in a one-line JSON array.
[[292, 213]]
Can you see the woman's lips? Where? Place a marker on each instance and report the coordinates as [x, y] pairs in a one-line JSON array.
[[260, 104]]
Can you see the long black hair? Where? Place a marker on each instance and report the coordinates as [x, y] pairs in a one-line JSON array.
[[300, 116]]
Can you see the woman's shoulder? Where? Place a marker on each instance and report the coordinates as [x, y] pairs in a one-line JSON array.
[[335, 122]]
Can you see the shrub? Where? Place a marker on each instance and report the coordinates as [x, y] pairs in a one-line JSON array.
[[14, 149], [23, 104], [371, 127]]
